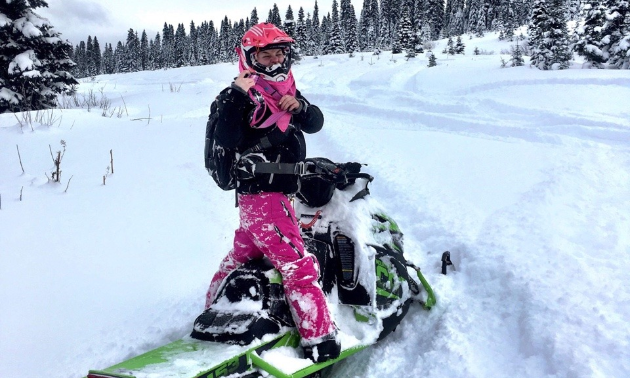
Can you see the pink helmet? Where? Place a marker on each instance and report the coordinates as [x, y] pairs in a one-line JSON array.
[[263, 37]]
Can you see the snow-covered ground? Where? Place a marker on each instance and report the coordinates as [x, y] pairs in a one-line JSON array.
[[524, 175]]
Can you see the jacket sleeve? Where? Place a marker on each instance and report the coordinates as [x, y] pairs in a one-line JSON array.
[[232, 109], [310, 119]]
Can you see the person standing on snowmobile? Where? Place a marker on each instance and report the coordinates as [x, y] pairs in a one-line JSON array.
[[263, 115]]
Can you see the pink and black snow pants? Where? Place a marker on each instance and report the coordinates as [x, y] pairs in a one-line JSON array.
[[268, 227]]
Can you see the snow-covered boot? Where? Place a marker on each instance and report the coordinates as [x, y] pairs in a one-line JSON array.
[[323, 348]]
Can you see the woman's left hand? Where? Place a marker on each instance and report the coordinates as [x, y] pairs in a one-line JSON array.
[[289, 103]]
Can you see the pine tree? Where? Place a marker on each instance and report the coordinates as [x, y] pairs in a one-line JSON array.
[[508, 19], [35, 62], [132, 53], [616, 34], [456, 18], [476, 18], [352, 39], [450, 46], [156, 52], [88, 61], [168, 46], [80, 54], [549, 37], [224, 41], [119, 58], [301, 38], [316, 31], [432, 60], [181, 46], [375, 22], [344, 18], [404, 40], [275, 16], [388, 20], [589, 34], [144, 52], [368, 25], [460, 47], [364, 16], [447, 18], [193, 45], [97, 60], [434, 16], [289, 23], [335, 43], [522, 10], [253, 18], [517, 56], [108, 59]]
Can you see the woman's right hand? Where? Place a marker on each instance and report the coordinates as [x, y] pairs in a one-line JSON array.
[[245, 81]]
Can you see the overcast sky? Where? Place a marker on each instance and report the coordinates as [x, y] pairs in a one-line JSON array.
[[109, 20]]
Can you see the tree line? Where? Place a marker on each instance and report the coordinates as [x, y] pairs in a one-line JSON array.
[[36, 64], [396, 25]]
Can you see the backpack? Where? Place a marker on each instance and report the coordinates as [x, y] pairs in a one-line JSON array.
[[220, 161]]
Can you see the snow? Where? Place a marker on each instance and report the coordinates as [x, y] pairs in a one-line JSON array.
[[24, 62], [523, 175]]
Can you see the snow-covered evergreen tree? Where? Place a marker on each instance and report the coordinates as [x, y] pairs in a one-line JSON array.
[[344, 18], [181, 46], [224, 50], [517, 56], [432, 60], [301, 38], [460, 47], [616, 34], [434, 16], [289, 23], [35, 62], [352, 39], [109, 64], [368, 25], [456, 18], [448, 10], [405, 39], [589, 43], [168, 46], [476, 20], [548, 35], [508, 19], [193, 45], [119, 58], [450, 46], [156, 52], [316, 32], [335, 42]]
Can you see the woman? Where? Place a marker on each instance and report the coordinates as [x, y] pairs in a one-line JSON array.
[[263, 115]]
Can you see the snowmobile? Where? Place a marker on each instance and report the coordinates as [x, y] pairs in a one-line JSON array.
[[248, 331]]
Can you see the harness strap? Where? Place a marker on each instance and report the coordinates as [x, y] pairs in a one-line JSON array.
[[280, 168]]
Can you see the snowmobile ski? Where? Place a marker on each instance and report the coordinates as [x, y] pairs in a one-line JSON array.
[[191, 358]]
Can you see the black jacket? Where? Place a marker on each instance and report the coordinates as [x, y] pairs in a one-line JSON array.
[[234, 131]]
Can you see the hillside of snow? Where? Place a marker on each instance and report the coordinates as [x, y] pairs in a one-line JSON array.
[[524, 175]]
